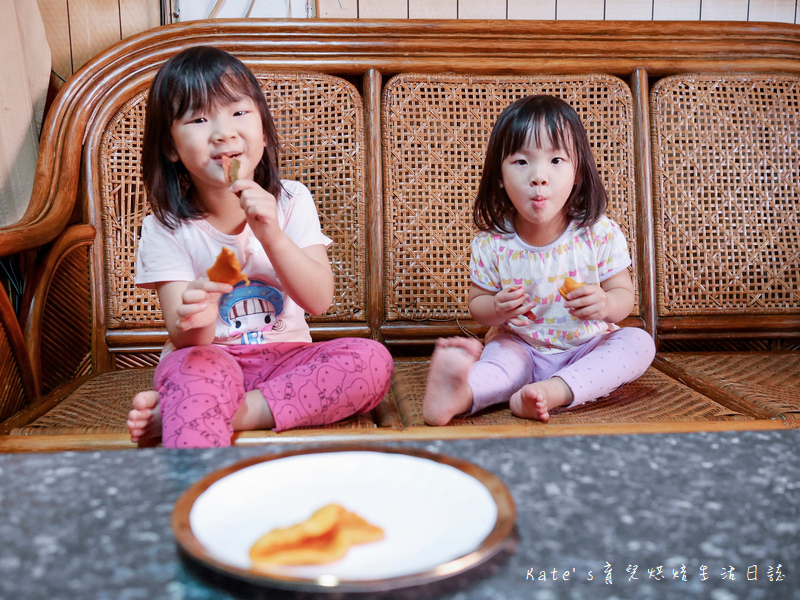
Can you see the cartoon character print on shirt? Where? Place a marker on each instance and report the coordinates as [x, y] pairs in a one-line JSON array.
[[251, 311]]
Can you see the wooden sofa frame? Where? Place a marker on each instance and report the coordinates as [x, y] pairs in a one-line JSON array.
[[695, 128]]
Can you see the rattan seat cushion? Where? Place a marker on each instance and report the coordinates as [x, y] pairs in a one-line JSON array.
[[770, 381], [101, 405], [654, 397], [98, 406]]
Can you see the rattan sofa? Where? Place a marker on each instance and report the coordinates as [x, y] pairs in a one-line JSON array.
[[695, 126]]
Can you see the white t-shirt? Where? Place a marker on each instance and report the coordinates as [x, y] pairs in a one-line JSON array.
[[586, 255], [258, 313]]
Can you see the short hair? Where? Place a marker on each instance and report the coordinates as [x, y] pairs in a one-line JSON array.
[[197, 78], [521, 122]]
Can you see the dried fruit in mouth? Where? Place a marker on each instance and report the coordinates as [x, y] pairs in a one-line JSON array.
[[231, 168]]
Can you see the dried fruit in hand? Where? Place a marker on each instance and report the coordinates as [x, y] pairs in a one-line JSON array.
[[570, 285], [227, 269]]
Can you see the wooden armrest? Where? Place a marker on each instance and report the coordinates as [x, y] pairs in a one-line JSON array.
[[20, 384], [35, 308]]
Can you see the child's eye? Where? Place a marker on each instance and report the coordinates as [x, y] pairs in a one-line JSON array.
[[557, 160]]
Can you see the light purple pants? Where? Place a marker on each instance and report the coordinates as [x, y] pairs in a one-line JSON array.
[[200, 388], [591, 370]]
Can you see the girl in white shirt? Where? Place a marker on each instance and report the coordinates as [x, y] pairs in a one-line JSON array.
[[238, 357], [540, 209]]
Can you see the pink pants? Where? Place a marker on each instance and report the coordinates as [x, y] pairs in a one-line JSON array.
[[200, 388], [591, 370]]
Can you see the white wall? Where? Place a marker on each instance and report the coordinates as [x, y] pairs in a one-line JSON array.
[[784, 11]]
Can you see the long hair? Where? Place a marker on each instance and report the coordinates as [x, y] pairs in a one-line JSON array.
[[525, 121], [198, 78]]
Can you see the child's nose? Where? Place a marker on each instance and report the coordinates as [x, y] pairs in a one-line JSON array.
[[538, 176], [223, 130]]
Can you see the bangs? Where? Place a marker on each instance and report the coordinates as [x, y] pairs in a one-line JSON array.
[[197, 80], [536, 123], [203, 90]]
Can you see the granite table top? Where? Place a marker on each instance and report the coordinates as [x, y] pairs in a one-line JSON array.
[[663, 516]]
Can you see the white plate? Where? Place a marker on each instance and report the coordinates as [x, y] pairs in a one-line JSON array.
[[441, 516]]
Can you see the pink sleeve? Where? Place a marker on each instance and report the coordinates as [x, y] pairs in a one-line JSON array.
[[161, 256], [302, 223]]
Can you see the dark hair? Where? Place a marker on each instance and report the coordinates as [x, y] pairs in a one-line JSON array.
[[196, 79], [526, 120]]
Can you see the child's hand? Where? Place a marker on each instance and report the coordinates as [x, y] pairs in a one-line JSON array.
[[588, 302], [259, 206], [511, 303], [199, 304]]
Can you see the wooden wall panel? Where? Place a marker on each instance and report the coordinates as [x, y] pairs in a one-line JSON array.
[[94, 25], [77, 30], [138, 15], [56, 24]]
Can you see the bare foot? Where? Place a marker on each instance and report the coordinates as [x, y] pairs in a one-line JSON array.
[[447, 393], [144, 420], [536, 400]]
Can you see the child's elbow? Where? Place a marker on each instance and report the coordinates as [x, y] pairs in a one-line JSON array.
[[622, 306], [316, 311], [320, 304]]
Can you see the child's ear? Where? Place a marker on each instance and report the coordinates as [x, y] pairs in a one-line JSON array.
[[501, 184]]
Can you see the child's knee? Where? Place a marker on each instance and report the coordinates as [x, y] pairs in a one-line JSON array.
[[377, 375], [210, 363], [207, 372], [643, 344], [638, 347], [381, 365]]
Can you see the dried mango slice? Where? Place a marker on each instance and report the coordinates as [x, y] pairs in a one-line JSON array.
[[570, 285], [230, 167], [324, 537], [227, 269]]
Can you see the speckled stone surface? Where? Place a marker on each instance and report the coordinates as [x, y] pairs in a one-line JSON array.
[[96, 525]]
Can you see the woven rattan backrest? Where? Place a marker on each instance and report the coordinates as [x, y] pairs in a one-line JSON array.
[[435, 131], [726, 154], [320, 120]]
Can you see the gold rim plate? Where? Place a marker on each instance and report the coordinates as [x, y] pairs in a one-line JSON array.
[[443, 516]]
